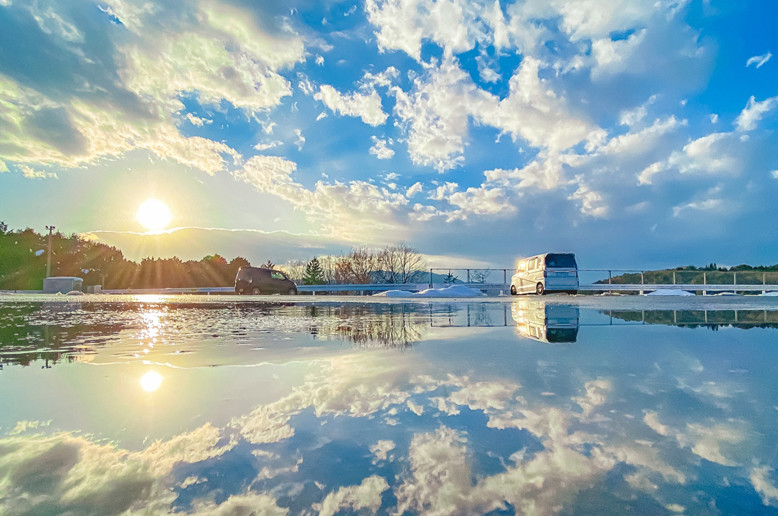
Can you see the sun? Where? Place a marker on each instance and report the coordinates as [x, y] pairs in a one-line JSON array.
[[154, 215], [150, 381]]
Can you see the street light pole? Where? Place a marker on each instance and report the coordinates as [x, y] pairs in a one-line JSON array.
[[48, 258]]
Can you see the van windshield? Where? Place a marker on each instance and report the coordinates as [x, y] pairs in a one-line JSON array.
[[566, 260]]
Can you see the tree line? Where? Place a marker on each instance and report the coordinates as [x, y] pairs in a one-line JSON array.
[[389, 264], [23, 255]]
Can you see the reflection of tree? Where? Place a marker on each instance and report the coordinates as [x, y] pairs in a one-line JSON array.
[[50, 332], [389, 326], [712, 319], [64, 331]]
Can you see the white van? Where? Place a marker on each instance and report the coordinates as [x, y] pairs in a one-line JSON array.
[[550, 272]]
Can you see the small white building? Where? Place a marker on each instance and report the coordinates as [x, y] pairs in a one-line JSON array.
[[62, 284]]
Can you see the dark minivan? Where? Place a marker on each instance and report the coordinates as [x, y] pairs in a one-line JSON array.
[[256, 280]]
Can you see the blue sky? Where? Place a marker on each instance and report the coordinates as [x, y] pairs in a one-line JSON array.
[[635, 134]]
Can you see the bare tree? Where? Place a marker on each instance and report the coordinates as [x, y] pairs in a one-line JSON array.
[[399, 264], [362, 262], [479, 275], [295, 270]]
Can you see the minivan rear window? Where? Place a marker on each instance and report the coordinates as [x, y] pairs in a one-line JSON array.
[[561, 260]]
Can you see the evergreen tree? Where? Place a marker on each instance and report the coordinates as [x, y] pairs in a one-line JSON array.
[[314, 275]]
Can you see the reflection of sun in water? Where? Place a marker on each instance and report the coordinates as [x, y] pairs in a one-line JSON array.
[[154, 215], [150, 381]]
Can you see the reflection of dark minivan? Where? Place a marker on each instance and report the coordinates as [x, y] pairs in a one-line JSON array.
[[255, 280]]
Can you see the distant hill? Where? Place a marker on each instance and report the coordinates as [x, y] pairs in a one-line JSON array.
[[692, 275]]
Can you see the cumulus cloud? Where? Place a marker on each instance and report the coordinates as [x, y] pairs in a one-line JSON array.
[[108, 94], [754, 112], [380, 148], [713, 154], [366, 496], [365, 106]]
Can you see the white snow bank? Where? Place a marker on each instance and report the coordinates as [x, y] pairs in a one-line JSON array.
[[452, 291], [670, 292], [769, 294], [395, 293]]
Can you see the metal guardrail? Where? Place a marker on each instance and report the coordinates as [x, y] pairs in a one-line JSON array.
[[497, 280]]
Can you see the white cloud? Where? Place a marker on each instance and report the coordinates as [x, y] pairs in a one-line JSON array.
[[365, 106], [437, 111], [384, 79], [713, 154], [198, 121], [300, 139], [380, 148], [435, 115], [614, 57], [366, 496], [382, 448], [33, 173], [417, 187], [753, 113], [704, 205], [534, 112], [352, 210], [270, 145], [404, 24], [643, 140], [592, 202], [763, 484], [132, 100], [759, 60]]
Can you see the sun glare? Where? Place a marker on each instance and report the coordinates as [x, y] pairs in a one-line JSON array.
[[154, 215], [150, 381]]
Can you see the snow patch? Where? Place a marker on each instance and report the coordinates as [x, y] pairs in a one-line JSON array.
[[670, 292], [452, 291]]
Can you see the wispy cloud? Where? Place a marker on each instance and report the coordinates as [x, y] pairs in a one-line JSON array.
[[759, 60]]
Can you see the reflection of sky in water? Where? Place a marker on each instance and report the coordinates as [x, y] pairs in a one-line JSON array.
[[440, 408]]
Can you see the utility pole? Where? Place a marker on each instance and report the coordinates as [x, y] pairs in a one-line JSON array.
[[48, 258]]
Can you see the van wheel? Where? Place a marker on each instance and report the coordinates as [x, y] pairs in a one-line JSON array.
[[256, 291], [539, 290], [513, 290], [292, 292]]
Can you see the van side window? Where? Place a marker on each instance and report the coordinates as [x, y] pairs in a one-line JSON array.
[[276, 275]]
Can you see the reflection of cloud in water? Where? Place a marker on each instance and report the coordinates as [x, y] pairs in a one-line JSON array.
[[635, 425], [567, 453]]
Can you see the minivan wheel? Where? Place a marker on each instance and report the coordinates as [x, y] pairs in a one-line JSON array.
[[256, 291], [539, 290], [292, 292], [513, 290]]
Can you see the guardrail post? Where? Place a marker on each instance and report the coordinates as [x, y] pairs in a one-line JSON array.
[[704, 282], [609, 277], [430, 277], [505, 277], [764, 277], [468, 278], [673, 277], [734, 278]]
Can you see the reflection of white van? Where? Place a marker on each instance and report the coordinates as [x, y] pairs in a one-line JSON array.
[[546, 323], [551, 272]]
